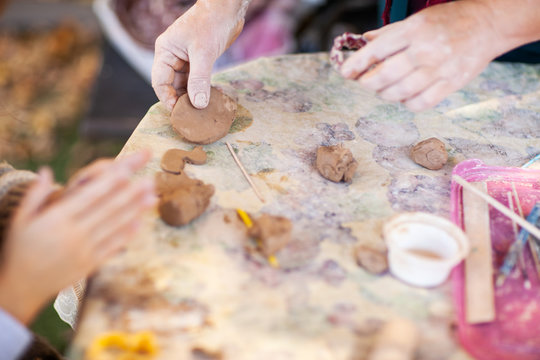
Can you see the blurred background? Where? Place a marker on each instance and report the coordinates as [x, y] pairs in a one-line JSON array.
[[75, 74]]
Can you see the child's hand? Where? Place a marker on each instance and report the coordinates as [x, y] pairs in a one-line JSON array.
[[50, 246]]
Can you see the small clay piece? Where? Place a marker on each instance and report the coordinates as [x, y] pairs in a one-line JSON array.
[[167, 183], [430, 153], [185, 203], [273, 232], [204, 126], [371, 258], [336, 163], [173, 160]]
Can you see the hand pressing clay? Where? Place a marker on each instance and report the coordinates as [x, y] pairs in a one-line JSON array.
[[185, 203], [336, 163], [430, 153], [273, 232], [173, 160], [372, 258], [167, 183], [207, 125]]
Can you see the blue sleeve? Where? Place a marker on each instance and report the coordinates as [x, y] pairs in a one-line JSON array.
[[14, 337]]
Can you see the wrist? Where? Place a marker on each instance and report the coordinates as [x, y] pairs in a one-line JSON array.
[[511, 24], [235, 9], [16, 299]]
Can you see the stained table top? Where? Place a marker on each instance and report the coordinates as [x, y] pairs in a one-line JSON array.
[[195, 287]]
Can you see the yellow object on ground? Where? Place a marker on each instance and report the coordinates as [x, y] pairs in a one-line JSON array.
[[272, 260], [245, 218], [123, 346]]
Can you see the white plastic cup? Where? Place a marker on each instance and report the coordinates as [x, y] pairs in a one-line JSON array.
[[423, 248]]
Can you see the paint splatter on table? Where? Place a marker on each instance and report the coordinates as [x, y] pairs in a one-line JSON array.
[[196, 288]]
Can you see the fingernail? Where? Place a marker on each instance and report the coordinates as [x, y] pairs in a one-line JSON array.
[[200, 100]]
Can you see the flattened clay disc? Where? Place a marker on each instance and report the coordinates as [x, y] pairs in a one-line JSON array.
[[207, 125]]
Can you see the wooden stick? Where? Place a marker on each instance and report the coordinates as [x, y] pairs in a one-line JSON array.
[[532, 245], [519, 248], [479, 289], [497, 205], [246, 175]]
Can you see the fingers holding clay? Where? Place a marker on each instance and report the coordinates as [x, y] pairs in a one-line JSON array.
[[204, 126]]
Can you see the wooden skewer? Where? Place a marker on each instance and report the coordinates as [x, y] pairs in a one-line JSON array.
[[246, 175], [519, 248], [497, 205], [532, 246]]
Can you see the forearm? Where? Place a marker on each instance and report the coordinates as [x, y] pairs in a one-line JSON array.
[[515, 23]]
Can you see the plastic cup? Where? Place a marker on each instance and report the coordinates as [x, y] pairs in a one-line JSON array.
[[423, 248]]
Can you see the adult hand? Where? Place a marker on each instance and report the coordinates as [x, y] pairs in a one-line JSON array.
[[185, 53], [50, 245], [422, 59]]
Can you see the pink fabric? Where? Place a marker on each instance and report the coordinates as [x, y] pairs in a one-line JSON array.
[[515, 333]]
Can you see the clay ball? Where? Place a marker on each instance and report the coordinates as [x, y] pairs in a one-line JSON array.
[[430, 153], [336, 163]]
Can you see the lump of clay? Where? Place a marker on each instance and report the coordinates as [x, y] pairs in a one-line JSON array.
[[273, 232], [430, 153], [185, 203], [173, 160], [167, 183], [372, 258], [336, 163], [204, 126]]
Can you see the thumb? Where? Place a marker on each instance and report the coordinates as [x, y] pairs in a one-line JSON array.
[[200, 71], [37, 194]]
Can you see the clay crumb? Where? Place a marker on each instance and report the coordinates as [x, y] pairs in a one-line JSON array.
[[430, 153], [372, 258], [273, 232], [336, 163], [204, 126]]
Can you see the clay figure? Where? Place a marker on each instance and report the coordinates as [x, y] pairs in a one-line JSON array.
[[173, 160], [185, 203], [273, 232], [430, 153], [372, 258], [204, 126], [336, 163]]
